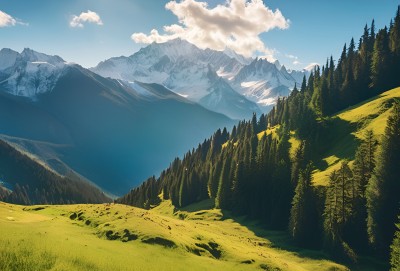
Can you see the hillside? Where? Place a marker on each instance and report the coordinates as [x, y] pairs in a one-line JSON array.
[[346, 130], [25, 179], [322, 165], [82, 237]]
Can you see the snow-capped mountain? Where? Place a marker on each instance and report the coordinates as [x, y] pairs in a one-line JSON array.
[[263, 82], [104, 129], [29, 73], [208, 77], [186, 70]]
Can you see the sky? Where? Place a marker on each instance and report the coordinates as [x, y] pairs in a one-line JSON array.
[[295, 32]]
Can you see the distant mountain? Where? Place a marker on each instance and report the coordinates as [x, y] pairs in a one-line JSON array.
[[198, 74], [263, 81], [29, 73], [186, 70], [113, 132], [25, 180]]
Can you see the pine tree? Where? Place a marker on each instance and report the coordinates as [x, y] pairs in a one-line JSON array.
[[303, 223], [384, 187], [381, 61], [364, 162], [298, 162], [395, 250], [223, 198], [394, 44]]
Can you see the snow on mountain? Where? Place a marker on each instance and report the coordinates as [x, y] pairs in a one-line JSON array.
[[7, 58], [183, 68], [232, 54], [194, 73], [263, 82], [224, 99], [277, 64], [29, 73]]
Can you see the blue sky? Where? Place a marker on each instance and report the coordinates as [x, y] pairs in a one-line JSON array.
[[307, 31]]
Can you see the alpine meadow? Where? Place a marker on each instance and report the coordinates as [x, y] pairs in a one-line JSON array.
[[208, 147]]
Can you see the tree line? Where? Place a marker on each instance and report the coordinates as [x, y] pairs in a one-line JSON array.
[[249, 171], [32, 183]]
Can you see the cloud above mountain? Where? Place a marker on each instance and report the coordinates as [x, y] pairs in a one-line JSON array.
[[236, 25], [8, 20], [85, 17]]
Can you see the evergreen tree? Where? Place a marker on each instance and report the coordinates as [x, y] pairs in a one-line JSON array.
[[394, 44], [384, 187], [303, 223], [364, 162], [223, 198], [381, 68], [395, 250]]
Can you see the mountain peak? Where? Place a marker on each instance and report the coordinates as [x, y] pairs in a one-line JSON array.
[[33, 56], [7, 58], [40, 72], [277, 64], [232, 54]]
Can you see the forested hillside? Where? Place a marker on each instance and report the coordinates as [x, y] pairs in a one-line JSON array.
[[264, 167], [29, 182]]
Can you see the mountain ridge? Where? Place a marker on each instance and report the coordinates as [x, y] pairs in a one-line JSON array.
[[184, 68], [100, 127]]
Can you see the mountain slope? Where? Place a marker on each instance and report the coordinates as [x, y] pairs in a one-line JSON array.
[[106, 130], [264, 82], [29, 73], [27, 181], [81, 237], [186, 70], [347, 129], [196, 74]]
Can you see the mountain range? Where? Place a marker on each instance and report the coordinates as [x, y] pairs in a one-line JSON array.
[[112, 124], [221, 81], [112, 132]]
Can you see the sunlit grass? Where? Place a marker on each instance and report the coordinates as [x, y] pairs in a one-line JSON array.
[[204, 239], [355, 120]]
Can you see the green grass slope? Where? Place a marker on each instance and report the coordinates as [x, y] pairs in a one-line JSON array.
[[118, 237], [345, 130]]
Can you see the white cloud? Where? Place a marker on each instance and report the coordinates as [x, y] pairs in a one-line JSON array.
[[296, 62], [236, 25], [295, 59], [8, 20], [291, 56], [85, 17], [311, 66]]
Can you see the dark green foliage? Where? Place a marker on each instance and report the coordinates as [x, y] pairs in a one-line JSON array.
[[339, 213], [364, 163], [34, 184], [395, 251], [247, 175], [381, 62], [363, 166], [223, 199], [303, 223], [384, 187]]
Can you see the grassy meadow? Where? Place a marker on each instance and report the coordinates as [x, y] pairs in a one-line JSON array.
[[118, 237]]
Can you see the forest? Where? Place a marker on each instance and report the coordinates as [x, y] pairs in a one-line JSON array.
[[251, 171], [33, 183]]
